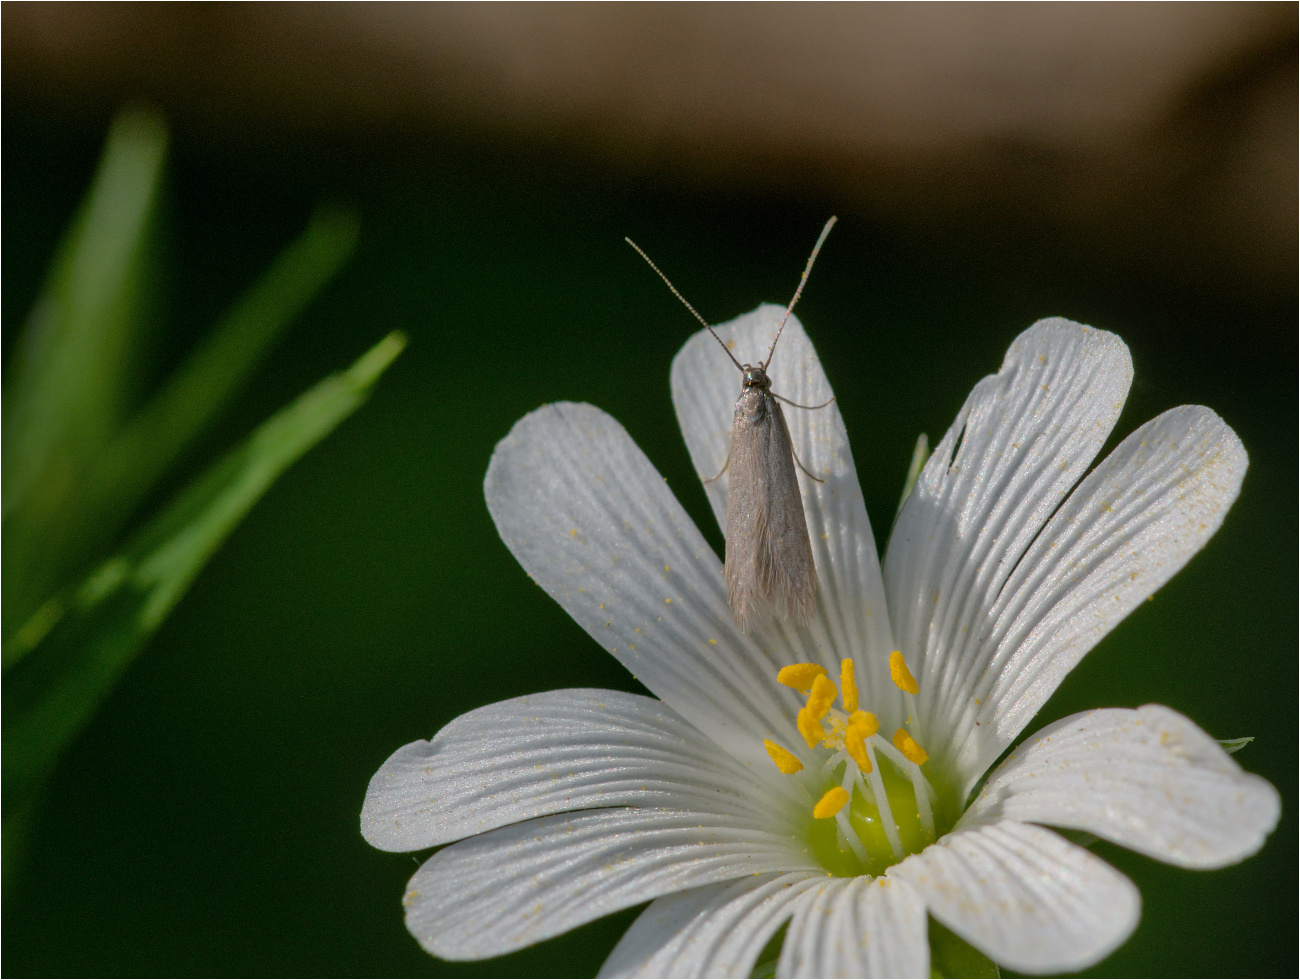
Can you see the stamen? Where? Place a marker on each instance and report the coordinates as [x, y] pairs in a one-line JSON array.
[[800, 676], [856, 746], [901, 675], [862, 725], [786, 761], [848, 689], [907, 745], [810, 727], [865, 722], [822, 696], [831, 803]]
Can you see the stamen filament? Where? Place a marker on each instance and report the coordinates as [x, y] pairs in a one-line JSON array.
[[882, 805], [850, 837], [920, 785], [923, 811], [842, 823]]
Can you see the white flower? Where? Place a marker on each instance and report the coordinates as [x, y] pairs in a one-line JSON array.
[[1001, 574]]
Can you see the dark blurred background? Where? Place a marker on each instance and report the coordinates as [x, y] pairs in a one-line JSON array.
[[1130, 166]]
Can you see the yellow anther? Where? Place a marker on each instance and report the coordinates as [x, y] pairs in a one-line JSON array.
[[787, 762], [810, 727], [901, 675], [865, 722], [907, 745], [822, 697], [800, 676], [848, 689], [832, 803], [856, 746]]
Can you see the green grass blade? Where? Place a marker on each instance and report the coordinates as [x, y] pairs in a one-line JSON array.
[[205, 383], [72, 654], [43, 548], [64, 393]]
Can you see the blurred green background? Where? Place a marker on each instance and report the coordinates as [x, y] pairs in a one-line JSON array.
[[206, 823]]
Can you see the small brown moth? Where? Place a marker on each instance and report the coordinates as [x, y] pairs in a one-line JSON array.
[[769, 560]]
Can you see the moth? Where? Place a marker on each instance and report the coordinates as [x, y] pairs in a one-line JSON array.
[[769, 561]]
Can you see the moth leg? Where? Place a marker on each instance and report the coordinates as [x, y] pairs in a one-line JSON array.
[[724, 469], [811, 408], [796, 455]]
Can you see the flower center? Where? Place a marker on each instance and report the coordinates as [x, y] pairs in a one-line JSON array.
[[873, 804]]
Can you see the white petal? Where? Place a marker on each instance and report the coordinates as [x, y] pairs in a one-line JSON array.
[[1023, 438], [593, 523], [712, 931], [852, 620], [548, 753], [1025, 896], [858, 927], [516, 886], [1129, 526], [1147, 779]]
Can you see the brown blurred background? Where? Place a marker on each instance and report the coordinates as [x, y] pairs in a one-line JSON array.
[[1158, 133]]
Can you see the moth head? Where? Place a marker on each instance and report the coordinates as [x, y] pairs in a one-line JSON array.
[[756, 377]]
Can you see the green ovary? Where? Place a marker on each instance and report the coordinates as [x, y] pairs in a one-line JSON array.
[[864, 817]]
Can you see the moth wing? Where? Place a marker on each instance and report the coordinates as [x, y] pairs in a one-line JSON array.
[[747, 506], [769, 565]]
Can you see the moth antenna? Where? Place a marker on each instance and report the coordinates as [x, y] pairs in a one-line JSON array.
[[797, 293], [739, 366]]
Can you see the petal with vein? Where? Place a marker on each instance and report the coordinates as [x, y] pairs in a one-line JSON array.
[[1025, 896], [512, 887], [594, 524], [858, 927], [711, 931], [1021, 441], [851, 620], [549, 753], [1132, 523], [1148, 779]]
